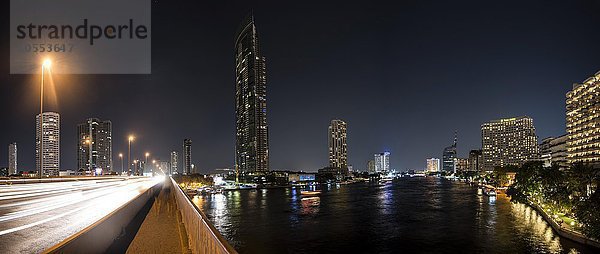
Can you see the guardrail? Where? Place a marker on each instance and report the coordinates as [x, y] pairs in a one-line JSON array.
[[63, 179], [203, 237]]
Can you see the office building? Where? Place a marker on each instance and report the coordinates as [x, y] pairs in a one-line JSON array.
[[174, 159], [48, 144], [508, 142], [433, 165], [382, 162], [553, 150], [12, 159], [94, 151], [475, 160], [252, 131], [187, 157], [338, 153], [583, 130]]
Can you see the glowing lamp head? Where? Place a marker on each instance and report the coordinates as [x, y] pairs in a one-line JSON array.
[[147, 154], [121, 155], [131, 138], [47, 63]]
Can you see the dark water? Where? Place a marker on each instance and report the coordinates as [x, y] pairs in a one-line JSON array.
[[412, 215]]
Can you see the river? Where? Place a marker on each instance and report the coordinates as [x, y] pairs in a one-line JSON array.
[[410, 215]]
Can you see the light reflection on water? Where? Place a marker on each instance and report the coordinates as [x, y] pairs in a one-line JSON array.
[[432, 214]]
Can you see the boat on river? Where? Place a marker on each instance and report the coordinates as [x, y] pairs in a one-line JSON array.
[[308, 193]]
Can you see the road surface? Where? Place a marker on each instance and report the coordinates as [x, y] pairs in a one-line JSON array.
[[36, 216]]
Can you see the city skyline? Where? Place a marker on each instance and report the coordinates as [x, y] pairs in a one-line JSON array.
[[296, 125]]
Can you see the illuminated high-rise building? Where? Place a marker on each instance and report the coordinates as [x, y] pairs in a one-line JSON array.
[[475, 160], [382, 162], [583, 129], [187, 157], [252, 131], [174, 161], [509, 141], [48, 137], [12, 158], [338, 148], [96, 135], [433, 165]]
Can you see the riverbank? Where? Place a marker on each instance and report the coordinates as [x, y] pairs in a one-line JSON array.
[[562, 231]]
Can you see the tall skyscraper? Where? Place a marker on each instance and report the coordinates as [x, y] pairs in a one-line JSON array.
[[338, 153], [382, 162], [12, 158], [96, 135], [252, 131], [174, 159], [48, 137], [187, 157], [433, 165], [583, 112], [449, 156], [509, 141]]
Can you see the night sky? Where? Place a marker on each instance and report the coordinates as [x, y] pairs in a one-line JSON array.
[[404, 76]]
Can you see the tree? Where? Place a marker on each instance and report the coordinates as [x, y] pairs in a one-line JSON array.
[[588, 213]]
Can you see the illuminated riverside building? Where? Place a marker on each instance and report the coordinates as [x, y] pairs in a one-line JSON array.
[[433, 165], [338, 149], [252, 131], [49, 139], [583, 122], [449, 157], [475, 160], [371, 166], [509, 141], [462, 164], [553, 150], [96, 135], [382, 162]]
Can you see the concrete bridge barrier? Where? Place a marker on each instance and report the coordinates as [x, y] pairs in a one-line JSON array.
[[203, 237]]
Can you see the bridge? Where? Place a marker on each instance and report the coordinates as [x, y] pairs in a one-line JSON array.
[[103, 215]]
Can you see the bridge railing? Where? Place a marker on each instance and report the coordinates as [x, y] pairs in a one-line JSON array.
[[203, 237]]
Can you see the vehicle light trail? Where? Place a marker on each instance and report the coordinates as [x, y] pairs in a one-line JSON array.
[[36, 216]]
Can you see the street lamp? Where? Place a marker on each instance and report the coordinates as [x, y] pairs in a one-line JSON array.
[[45, 65], [146, 162], [131, 138], [121, 156], [153, 163], [89, 142]]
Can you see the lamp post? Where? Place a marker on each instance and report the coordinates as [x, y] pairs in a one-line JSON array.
[[154, 163], [89, 143], [129, 155], [146, 162], [45, 64], [121, 156]]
